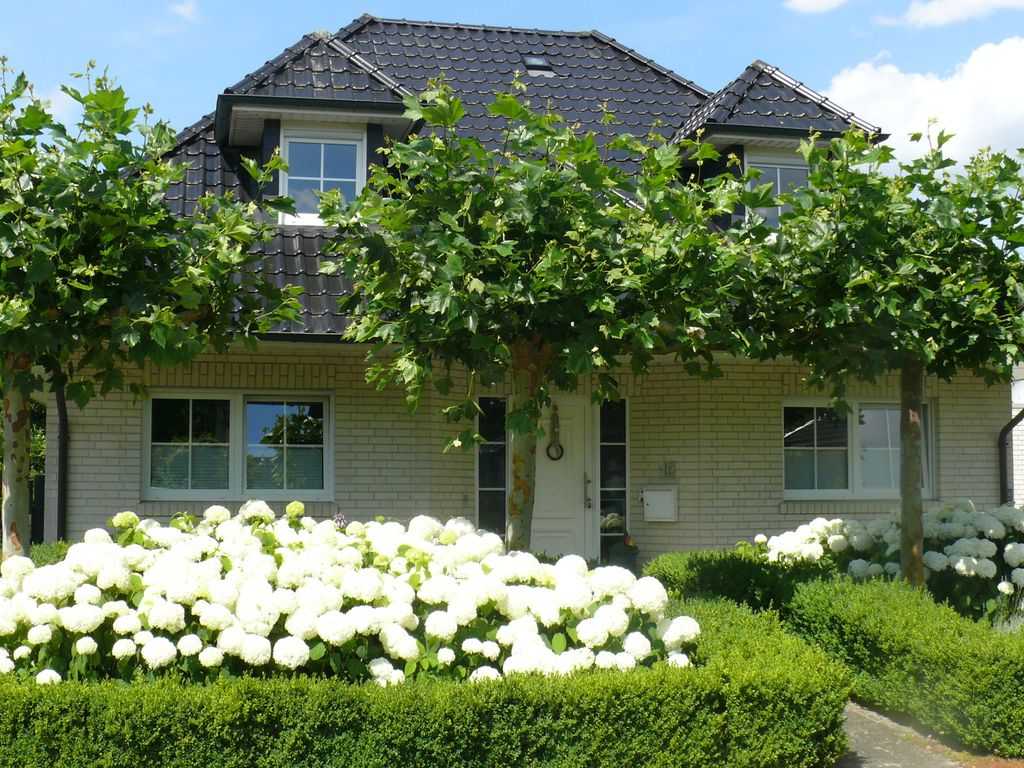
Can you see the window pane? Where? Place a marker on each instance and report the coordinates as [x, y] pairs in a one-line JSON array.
[[613, 466], [303, 192], [769, 175], [210, 466], [876, 468], [339, 161], [169, 466], [264, 423], [305, 468], [833, 470], [613, 422], [170, 420], [799, 468], [831, 428], [874, 428], [492, 465], [792, 178], [210, 420], [264, 468], [613, 511], [348, 188], [492, 511], [798, 428], [492, 419], [304, 159], [305, 424]]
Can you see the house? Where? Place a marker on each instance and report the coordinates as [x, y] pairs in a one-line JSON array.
[[679, 462]]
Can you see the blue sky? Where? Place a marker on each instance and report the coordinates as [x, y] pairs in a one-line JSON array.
[[895, 62]]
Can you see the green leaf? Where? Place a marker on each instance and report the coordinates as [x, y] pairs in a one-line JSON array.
[[317, 651], [558, 642]]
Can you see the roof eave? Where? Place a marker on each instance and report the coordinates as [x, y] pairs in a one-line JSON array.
[[226, 102]]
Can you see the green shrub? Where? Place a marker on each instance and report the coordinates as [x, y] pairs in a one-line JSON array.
[[48, 552], [758, 698], [911, 655], [737, 574]]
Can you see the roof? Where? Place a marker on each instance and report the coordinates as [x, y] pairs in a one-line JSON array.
[[764, 98], [376, 62]]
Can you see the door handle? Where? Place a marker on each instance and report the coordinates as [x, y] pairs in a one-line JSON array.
[[587, 501]]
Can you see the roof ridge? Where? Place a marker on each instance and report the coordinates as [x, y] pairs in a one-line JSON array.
[[373, 70], [649, 62], [809, 93], [190, 132], [355, 25], [489, 27]]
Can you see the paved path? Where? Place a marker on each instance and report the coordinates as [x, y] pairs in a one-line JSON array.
[[877, 742]]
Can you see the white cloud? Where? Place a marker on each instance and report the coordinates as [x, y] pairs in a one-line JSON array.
[[937, 13], [186, 9], [62, 107], [813, 6], [978, 102]]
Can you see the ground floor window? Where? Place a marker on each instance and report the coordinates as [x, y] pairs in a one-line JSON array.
[[612, 473], [237, 444], [492, 466], [828, 454]]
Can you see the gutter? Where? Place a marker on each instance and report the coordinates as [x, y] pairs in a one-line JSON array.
[[1003, 446]]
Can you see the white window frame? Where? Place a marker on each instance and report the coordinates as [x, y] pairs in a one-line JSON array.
[[354, 136], [856, 490], [775, 160], [236, 490]]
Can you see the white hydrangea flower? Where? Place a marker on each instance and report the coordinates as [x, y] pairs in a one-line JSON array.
[[1006, 587], [189, 645], [678, 660], [39, 634], [335, 628], [605, 660], [125, 519], [16, 568], [472, 645], [123, 648], [637, 645], [47, 677], [935, 561], [484, 673], [291, 652], [859, 568], [86, 646], [256, 510], [441, 625], [445, 656], [256, 650], [6, 666], [680, 631], [158, 652], [21, 652], [648, 595], [211, 656]]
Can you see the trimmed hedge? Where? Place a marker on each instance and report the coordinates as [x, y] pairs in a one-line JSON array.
[[760, 698], [912, 655], [735, 574], [48, 552]]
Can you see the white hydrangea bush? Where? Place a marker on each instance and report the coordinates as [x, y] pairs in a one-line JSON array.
[[255, 594], [973, 559]]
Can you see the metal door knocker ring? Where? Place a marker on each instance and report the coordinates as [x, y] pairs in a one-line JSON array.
[[555, 451]]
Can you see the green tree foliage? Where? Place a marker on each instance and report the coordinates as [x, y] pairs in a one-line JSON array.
[[97, 276], [540, 264], [917, 272]]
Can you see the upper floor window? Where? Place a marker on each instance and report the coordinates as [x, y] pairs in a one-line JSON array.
[[783, 178], [319, 161]]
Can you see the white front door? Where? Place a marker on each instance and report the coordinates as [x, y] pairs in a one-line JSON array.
[[564, 517]]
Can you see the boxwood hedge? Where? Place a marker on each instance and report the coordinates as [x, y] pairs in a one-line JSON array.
[[756, 697], [735, 574], [912, 655]]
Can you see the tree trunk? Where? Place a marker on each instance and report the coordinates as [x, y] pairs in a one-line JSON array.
[[911, 441], [524, 470], [15, 507]]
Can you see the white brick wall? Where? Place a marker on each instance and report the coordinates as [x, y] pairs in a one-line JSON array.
[[724, 438]]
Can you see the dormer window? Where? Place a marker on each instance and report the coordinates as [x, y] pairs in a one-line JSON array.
[[784, 173], [319, 161]]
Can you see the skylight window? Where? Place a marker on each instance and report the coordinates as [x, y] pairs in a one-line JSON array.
[[538, 66]]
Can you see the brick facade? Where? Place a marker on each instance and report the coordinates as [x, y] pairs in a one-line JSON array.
[[723, 438]]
